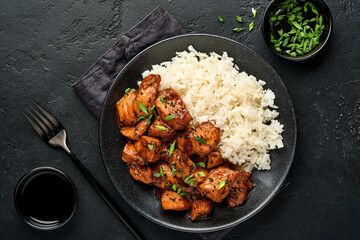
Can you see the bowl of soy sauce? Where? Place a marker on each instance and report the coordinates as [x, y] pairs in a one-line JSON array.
[[45, 198], [297, 29]]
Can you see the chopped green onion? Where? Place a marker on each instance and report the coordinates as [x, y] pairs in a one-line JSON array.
[[140, 117], [161, 128], [127, 90], [172, 147], [151, 147], [253, 12], [161, 171], [174, 187], [273, 19], [238, 29], [188, 177], [281, 17], [183, 194], [170, 117], [292, 18], [305, 8], [222, 184], [200, 140], [239, 19], [296, 25], [153, 110], [202, 174], [156, 174], [201, 164], [142, 107], [179, 190], [163, 100], [221, 19], [149, 120], [173, 170], [251, 26]]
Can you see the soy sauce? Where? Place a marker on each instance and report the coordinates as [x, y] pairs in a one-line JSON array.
[[46, 199]]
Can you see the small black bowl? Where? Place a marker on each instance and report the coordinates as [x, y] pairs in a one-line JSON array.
[[45, 198], [323, 9]]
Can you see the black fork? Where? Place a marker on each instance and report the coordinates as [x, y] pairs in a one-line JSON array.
[[52, 132]]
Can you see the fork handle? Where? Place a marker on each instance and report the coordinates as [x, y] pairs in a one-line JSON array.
[[105, 196]]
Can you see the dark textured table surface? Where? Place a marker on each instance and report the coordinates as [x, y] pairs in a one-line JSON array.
[[46, 45]]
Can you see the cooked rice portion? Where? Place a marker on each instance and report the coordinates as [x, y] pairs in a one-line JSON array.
[[214, 90]]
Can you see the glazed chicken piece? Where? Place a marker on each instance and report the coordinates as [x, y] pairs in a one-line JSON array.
[[186, 169], [125, 114], [205, 138], [148, 148], [214, 160], [159, 129], [135, 132], [172, 201], [163, 177], [183, 142], [130, 155], [218, 183], [239, 189], [200, 208], [141, 173], [148, 92], [170, 105], [184, 166]]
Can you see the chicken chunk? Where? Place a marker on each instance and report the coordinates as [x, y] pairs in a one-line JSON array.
[[130, 155], [135, 132], [218, 183], [214, 160], [239, 189], [159, 129], [148, 148], [147, 94], [172, 201], [163, 177], [200, 208], [184, 167], [125, 114], [169, 104], [141, 173], [183, 142], [205, 138]]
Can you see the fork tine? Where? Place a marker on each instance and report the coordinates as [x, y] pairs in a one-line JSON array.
[[40, 124], [46, 122], [38, 130], [49, 116]]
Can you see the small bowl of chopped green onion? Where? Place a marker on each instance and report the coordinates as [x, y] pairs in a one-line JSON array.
[[297, 29]]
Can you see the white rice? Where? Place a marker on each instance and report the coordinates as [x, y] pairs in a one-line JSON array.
[[213, 89]]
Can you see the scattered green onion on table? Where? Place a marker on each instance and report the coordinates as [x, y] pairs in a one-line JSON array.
[[297, 26]]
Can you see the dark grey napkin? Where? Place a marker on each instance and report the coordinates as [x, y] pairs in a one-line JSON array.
[[94, 84]]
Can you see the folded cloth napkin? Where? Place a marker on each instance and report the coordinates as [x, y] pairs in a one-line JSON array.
[[94, 84]]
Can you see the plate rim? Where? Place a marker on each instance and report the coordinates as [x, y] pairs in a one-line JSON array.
[[250, 214]]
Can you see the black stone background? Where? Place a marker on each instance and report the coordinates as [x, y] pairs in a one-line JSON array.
[[46, 45]]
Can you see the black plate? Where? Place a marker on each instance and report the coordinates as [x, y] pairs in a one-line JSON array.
[[140, 196]]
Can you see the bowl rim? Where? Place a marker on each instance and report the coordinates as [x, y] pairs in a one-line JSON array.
[[20, 185], [306, 57], [223, 226]]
